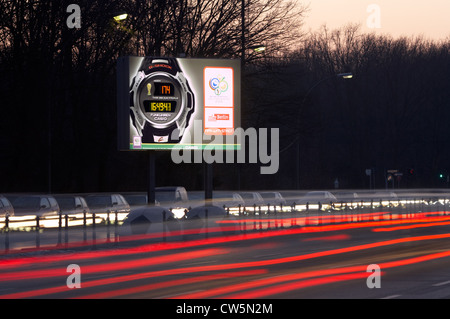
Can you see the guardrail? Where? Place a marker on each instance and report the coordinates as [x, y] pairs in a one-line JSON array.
[[335, 206], [110, 221], [30, 222], [60, 221]]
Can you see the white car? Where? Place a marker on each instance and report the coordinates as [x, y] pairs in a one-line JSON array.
[[220, 199], [102, 203], [273, 198], [72, 204], [171, 195], [39, 205], [6, 209], [226, 199], [136, 199], [315, 197], [252, 198]]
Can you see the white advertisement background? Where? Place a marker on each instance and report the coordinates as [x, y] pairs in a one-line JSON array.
[[193, 69], [218, 86]]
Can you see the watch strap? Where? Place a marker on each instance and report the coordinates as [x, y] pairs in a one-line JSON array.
[[162, 135], [151, 64]]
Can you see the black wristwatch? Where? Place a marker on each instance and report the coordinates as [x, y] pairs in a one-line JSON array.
[[161, 101]]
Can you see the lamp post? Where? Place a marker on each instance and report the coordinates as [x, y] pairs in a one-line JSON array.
[[347, 75], [119, 17], [258, 48], [243, 33], [344, 76]]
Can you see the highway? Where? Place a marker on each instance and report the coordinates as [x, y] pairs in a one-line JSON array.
[[367, 254]]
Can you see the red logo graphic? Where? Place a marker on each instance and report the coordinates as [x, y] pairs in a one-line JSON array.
[[223, 117]]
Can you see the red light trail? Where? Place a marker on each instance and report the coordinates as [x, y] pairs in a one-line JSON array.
[[277, 284]]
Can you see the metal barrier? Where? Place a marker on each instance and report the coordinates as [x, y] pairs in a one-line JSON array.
[[110, 221], [270, 208], [30, 222], [61, 223]]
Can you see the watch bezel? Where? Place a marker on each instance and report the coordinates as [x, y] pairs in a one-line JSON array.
[[181, 105]]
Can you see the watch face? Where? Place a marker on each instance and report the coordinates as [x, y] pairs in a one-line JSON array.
[[160, 98]]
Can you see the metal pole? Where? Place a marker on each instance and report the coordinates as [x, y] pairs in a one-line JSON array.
[[208, 176], [7, 233], [84, 226], [239, 166], [206, 223], [38, 241], [66, 228], [151, 178], [94, 232], [164, 224], [59, 228]]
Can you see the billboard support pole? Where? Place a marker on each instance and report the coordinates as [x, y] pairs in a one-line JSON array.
[[208, 176], [151, 178]]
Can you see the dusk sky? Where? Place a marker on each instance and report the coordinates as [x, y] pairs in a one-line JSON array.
[[429, 18]]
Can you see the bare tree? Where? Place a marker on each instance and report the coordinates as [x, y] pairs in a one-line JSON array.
[[374, 119], [58, 83], [213, 28]]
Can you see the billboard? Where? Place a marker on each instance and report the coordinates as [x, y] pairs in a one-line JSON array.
[[178, 103]]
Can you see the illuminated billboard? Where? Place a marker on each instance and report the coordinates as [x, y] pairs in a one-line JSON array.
[[178, 103]]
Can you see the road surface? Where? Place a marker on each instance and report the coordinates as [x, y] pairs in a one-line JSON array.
[[349, 255]]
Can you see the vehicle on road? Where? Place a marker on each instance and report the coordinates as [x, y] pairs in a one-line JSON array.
[[346, 196], [386, 195], [171, 195], [72, 204], [147, 219], [220, 199], [102, 203], [273, 198], [377, 196], [206, 212], [252, 198], [174, 198], [315, 197], [6, 208], [164, 196], [136, 199], [227, 199], [39, 205]]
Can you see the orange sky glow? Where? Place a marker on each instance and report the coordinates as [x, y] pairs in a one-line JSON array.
[[430, 19]]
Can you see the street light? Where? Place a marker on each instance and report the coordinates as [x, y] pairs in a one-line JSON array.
[[348, 75], [258, 48], [120, 16]]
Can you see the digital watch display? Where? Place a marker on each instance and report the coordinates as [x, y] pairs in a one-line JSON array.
[[152, 106], [161, 101]]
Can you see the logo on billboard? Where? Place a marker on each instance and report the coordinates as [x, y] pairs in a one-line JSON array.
[[218, 85], [218, 88], [137, 142], [219, 117], [161, 139]]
